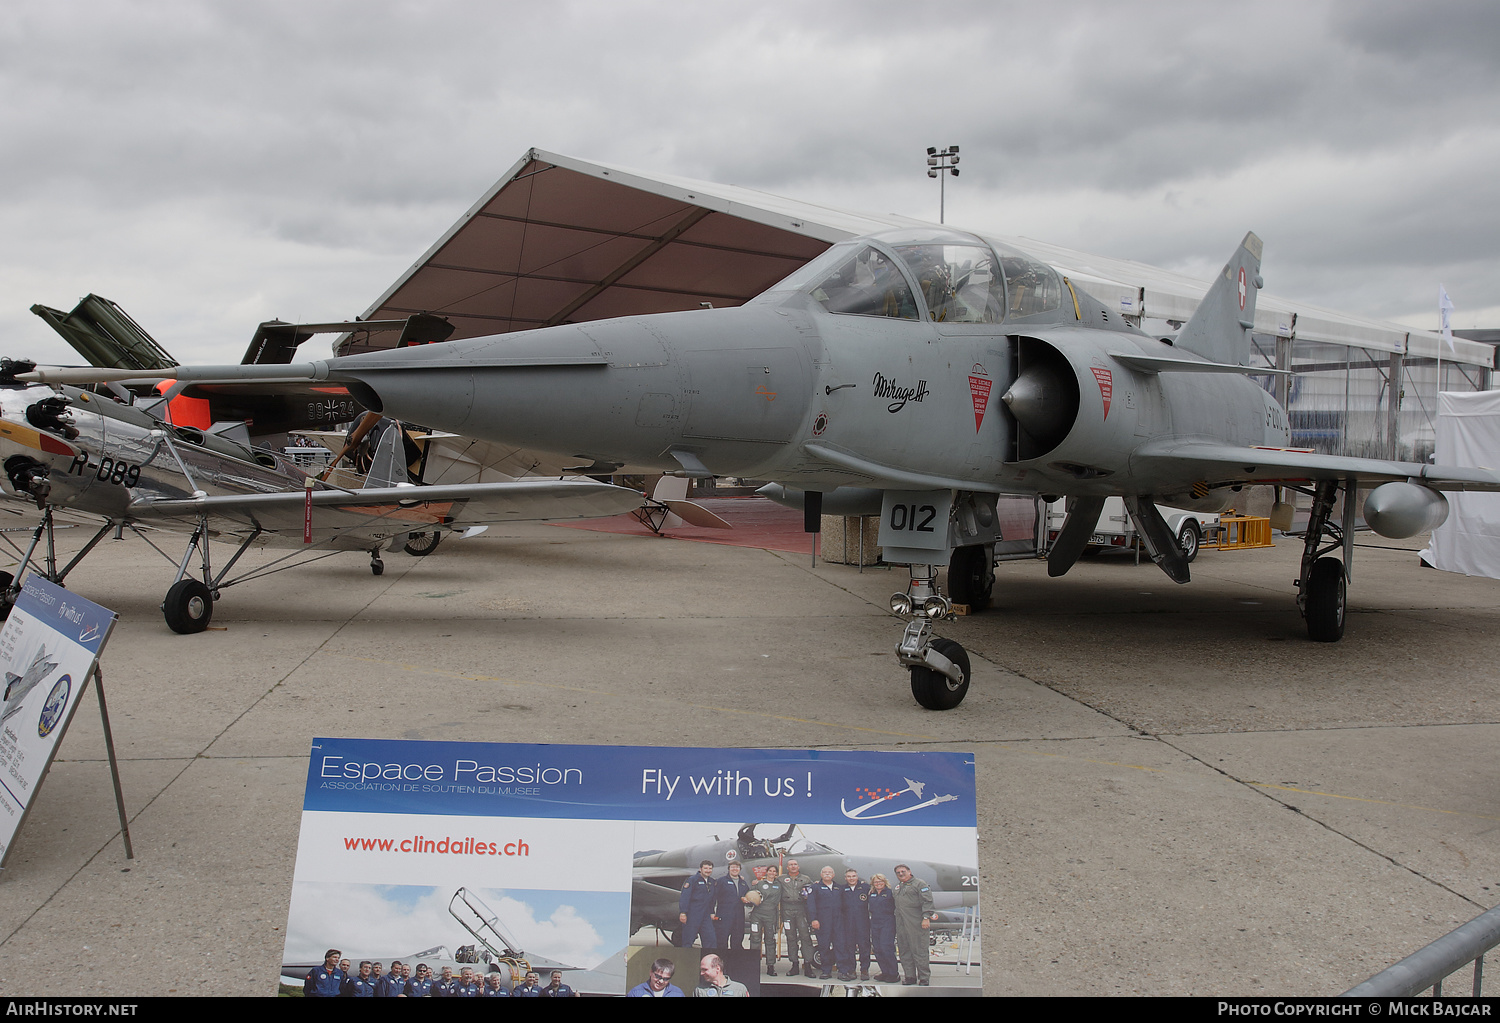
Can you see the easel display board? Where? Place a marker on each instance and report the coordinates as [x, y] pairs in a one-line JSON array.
[[48, 650]]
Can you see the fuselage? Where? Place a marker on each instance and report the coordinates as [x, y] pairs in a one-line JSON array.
[[883, 362], [98, 456], [121, 463]]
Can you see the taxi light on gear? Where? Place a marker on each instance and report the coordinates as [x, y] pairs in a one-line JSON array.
[[937, 606], [901, 604]]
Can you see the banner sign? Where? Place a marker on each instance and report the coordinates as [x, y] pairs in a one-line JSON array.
[[48, 649], [581, 855]]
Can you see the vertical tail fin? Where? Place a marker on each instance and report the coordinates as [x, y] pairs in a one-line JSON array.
[[388, 466], [1220, 329]]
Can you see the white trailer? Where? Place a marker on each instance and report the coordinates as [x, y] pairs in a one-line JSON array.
[[1115, 531]]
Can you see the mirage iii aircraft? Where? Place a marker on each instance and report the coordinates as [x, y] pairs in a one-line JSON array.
[[919, 373]]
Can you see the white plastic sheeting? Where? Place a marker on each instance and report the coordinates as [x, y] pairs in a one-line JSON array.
[[1468, 433]]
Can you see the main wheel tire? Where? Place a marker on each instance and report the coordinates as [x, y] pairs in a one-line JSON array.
[[419, 545], [1326, 595], [189, 607], [969, 578], [377, 567], [938, 692], [1190, 538]]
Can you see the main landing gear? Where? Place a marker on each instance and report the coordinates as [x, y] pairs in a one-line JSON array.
[[1322, 589], [10, 585], [189, 604], [419, 545]]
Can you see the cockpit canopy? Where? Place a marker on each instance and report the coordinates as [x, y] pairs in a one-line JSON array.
[[867, 283], [807, 847], [942, 276]]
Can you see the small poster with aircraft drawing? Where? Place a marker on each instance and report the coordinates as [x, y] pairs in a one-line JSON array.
[[48, 649], [487, 868]]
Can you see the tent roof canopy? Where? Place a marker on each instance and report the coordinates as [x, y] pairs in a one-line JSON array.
[[563, 240]]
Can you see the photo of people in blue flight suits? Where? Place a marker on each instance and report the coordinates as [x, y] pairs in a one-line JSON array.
[[869, 917]]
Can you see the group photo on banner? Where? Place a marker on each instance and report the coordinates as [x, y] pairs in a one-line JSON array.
[[435, 869]]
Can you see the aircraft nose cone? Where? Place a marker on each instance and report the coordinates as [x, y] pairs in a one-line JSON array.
[[717, 386]]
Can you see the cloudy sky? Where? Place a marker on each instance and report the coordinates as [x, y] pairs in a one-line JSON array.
[[577, 928], [212, 165]]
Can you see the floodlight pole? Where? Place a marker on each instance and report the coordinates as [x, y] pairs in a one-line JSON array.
[[939, 161]]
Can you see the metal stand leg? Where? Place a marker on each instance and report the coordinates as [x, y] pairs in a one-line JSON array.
[[114, 766]]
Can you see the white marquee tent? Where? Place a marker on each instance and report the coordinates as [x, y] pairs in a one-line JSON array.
[[1468, 433]]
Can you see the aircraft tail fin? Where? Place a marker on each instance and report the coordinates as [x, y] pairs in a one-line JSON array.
[[670, 498], [1220, 329], [388, 466]]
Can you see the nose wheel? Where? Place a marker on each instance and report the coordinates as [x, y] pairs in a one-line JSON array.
[[937, 691], [939, 668], [377, 567]]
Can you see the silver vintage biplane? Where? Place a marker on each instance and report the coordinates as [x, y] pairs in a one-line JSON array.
[[65, 448]]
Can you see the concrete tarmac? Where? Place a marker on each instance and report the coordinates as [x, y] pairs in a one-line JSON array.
[[1179, 793]]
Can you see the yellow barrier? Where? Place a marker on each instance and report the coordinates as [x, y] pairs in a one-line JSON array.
[[1242, 532]]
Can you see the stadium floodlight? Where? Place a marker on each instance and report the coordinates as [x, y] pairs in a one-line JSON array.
[[939, 161]]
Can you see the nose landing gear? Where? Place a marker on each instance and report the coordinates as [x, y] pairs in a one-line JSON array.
[[939, 667]]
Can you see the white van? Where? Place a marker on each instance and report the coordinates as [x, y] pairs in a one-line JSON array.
[[1115, 531]]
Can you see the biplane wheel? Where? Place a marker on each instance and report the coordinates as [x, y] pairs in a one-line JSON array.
[[419, 545], [1189, 538], [936, 691], [969, 579], [377, 567], [189, 607], [1326, 596]]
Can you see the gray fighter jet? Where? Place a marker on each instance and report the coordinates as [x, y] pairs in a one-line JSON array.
[[658, 874], [920, 373], [18, 686]]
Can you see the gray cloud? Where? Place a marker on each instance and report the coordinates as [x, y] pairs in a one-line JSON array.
[[210, 165]]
